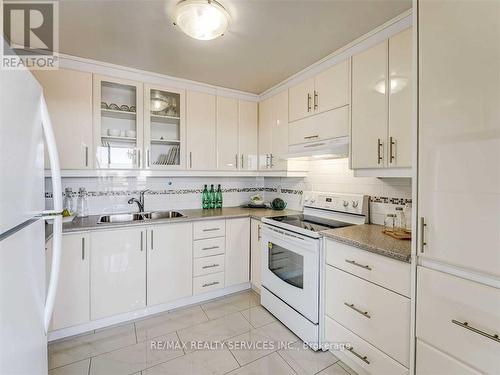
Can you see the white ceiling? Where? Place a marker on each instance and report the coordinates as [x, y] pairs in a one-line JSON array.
[[267, 40]]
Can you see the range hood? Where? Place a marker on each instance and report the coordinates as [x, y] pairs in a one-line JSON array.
[[335, 148]]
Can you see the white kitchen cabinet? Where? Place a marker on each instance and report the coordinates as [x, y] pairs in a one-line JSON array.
[[273, 132], [68, 94], [247, 134], [459, 127], [255, 261], [369, 107], [164, 127], [381, 117], [431, 361], [117, 271], [301, 99], [117, 123], [227, 133], [201, 131], [169, 262], [237, 262], [72, 304]]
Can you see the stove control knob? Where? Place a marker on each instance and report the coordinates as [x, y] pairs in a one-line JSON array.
[[355, 204], [346, 203]]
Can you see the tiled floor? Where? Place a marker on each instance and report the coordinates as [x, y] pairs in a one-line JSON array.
[[230, 335]]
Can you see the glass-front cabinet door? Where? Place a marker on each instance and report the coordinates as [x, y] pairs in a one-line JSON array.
[[118, 123], [164, 131]]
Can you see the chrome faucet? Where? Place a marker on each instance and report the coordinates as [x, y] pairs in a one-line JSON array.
[[140, 201]]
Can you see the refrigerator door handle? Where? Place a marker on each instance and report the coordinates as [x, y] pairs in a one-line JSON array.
[[57, 216]]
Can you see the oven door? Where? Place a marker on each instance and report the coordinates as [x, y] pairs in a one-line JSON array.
[[290, 269]]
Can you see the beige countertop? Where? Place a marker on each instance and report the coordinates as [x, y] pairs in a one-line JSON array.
[[370, 237], [90, 222]]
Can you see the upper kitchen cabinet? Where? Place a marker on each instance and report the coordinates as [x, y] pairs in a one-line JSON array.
[[459, 134], [118, 122], [68, 94], [325, 91], [201, 131], [382, 108], [227, 133], [164, 128], [273, 132], [236, 134], [247, 134]]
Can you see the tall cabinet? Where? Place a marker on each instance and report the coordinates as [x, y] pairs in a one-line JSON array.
[[382, 104], [458, 299]]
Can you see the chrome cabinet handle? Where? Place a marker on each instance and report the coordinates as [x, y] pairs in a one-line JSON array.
[[83, 248], [210, 248], [379, 156], [258, 233], [315, 100], [211, 266], [312, 136], [142, 240], [308, 102], [466, 325], [86, 156], [152, 240], [210, 284], [210, 229], [236, 161], [148, 157], [241, 161], [271, 157], [391, 144], [422, 234], [364, 358], [351, 306], [139, 158], [267, 161], [190, 159], [354, 263]]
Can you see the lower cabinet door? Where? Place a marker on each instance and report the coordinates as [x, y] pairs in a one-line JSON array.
[[255, 252], [117, 271], [237, 265], [431, 361], [170, 262], [72, 305]]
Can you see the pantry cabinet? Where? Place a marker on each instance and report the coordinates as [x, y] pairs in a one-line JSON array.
[[255, 250], [164, 128], [459, 146], [273, 132], [117, 123], [117, 271], [68, 94], [169, 262], [72, 304], [382, 105], [237, 261], [201, 131], [327, 90]]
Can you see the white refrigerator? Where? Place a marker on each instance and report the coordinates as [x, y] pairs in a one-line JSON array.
[[26, 303]]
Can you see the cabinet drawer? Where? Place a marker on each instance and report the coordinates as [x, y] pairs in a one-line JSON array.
[[378, 315], [207, 265], [431, 361], [327, 125], [389, 273], [207, 283], [209, 229], [445, 303], [372, 360], [209, 247]]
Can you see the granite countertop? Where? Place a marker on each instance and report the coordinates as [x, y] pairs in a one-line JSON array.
[[90, 222], [370, 237]]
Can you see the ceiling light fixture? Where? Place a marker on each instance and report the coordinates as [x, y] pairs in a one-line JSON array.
[[201, 19]]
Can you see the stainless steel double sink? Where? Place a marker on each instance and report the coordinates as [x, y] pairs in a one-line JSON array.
[[139, 216]]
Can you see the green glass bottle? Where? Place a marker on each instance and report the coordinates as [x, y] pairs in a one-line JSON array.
[[205, 199], [218, 197], [211, 194]]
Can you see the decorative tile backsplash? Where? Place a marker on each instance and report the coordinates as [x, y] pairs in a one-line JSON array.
[[110, 194]]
